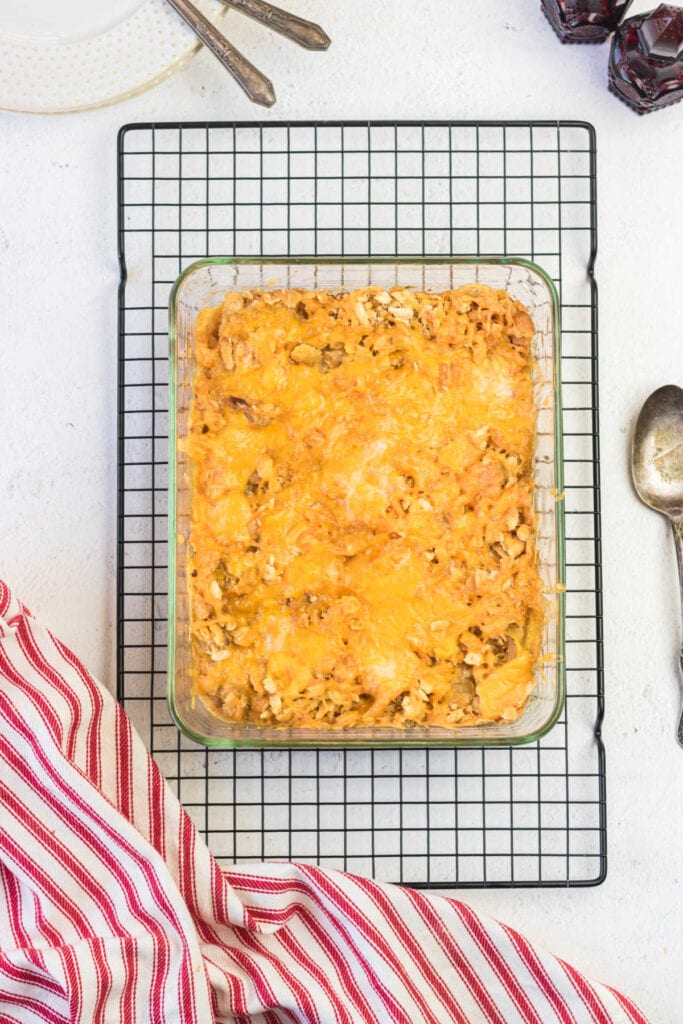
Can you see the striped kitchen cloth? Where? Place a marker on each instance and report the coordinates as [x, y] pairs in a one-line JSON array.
[[112, 909]]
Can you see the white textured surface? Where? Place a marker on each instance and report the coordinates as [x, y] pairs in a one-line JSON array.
[[58, 406]]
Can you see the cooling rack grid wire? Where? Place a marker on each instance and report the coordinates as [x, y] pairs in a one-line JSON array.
[[523, 816]]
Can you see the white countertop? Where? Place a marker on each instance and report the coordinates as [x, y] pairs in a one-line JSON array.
[[58, 340]]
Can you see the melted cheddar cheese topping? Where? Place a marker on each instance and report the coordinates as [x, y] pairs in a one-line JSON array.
[[362, 548]]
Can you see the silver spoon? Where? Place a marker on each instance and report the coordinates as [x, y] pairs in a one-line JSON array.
[[657, 467], [258, 88], [305, 33]]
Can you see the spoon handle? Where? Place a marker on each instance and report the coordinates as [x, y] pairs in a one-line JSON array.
[[258, 88], [678, 542], [303, 32]]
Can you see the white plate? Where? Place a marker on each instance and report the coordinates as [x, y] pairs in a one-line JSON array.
[[58, 55]]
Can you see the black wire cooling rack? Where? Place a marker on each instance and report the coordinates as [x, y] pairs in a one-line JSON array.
[[523, 816]]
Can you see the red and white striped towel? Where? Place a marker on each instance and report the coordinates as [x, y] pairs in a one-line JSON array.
[[113, 910]]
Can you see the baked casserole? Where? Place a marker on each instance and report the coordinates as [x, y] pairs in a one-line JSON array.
[[362, 545]]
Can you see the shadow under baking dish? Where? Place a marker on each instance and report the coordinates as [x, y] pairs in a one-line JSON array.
[[205, 283]]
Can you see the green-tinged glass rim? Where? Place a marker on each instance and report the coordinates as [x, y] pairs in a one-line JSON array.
[[459, 738]]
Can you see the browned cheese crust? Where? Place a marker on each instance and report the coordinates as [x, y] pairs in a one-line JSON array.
[[362, 548]]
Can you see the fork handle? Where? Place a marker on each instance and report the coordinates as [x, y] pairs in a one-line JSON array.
[[303, 32], [258, 88]]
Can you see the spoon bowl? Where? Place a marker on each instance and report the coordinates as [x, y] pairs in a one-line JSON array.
[[657, 460], [657, 467]]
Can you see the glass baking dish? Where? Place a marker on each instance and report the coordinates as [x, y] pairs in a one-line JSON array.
[[204, 284]]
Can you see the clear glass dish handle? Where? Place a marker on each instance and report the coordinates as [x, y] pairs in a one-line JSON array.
[[678, 541], [258, 88]]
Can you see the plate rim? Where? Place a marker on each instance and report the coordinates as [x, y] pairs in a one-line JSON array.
[[127, 94]]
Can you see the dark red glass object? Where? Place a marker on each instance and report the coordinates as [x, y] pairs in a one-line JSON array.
[[646, 61], [584, 21]]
